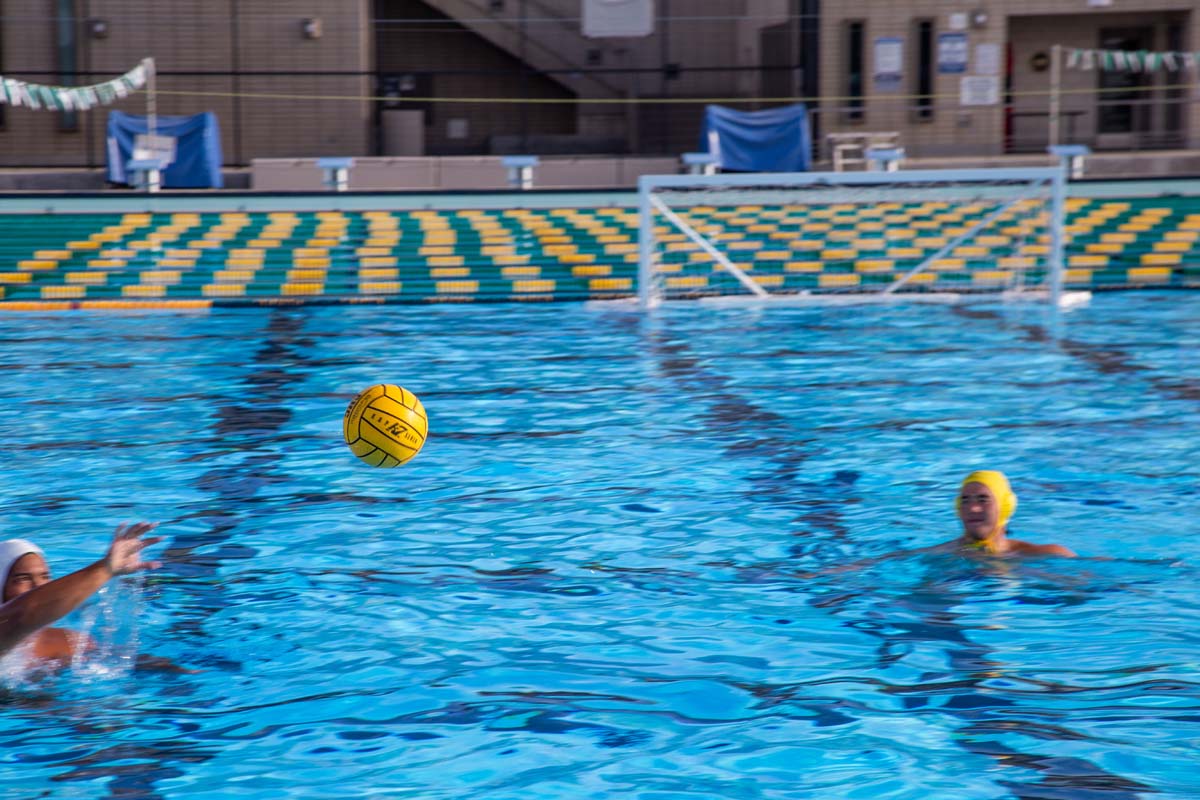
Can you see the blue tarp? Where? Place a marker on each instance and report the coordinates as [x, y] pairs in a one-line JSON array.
[[197, 163], [773, 140]]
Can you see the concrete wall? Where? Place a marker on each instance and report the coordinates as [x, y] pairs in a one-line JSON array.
[[458, 172], [291, 115]]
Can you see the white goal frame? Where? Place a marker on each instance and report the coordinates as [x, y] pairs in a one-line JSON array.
[[1039, 179]]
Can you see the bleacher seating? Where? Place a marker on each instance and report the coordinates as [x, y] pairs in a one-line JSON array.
[[564, 253]]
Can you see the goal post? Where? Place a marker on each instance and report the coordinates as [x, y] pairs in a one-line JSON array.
[[918, 235]]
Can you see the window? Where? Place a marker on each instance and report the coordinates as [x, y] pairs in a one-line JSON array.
[[923, 74], [856, 79]]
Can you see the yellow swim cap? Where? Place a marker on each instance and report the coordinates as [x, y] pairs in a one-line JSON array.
[[997, 483]]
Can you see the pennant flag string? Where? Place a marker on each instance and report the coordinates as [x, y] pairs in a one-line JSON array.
[[1129, 60], [15, 92]]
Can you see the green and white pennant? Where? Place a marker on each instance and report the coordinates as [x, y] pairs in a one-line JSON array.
[[1130, 61], [71, 98]]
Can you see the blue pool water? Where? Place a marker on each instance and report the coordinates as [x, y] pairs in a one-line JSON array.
[[613, 571]]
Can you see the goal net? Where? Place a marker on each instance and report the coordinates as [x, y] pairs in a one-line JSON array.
[[915, 235]]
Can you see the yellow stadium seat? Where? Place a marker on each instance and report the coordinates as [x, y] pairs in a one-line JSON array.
[[874, 265], [305, 275], [835, 254], [89, 278], [144, 290], [223, 290], [1149, 274], [803, 266], [687, 282], [301, 289], [378, 273], [540, 286], [164, 277], [380, 287], [610, 284], [62, 292], [457, 287], [992, 277], [311, 262]]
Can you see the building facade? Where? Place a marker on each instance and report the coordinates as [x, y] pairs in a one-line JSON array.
[[451, 77]]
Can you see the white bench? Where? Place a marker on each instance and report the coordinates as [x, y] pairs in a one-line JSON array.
[[851, 147]]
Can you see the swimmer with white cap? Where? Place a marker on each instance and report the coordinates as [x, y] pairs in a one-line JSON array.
[[985, 503], [30, 600]]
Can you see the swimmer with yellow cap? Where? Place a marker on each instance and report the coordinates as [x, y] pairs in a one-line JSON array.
[[985, 504]]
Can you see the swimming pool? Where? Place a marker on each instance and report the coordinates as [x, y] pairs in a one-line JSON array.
[[593, 580]]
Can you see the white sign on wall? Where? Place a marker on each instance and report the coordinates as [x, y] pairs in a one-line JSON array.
[[889, 63], [979, 90], [604, 18], [987, 59]]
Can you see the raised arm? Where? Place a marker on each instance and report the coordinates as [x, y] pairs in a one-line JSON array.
[[46, 604]]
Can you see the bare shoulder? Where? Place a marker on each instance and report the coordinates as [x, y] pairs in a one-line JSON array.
[[55, 644], [1030, 549]]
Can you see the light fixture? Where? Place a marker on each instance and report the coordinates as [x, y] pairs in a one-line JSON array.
[[311, 27], [98, 28], [979, 18]]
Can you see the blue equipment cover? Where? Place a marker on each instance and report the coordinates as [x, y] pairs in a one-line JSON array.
[[772, 140], [197, 163]]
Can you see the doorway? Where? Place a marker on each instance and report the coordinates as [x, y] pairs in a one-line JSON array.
[[1124, 104]]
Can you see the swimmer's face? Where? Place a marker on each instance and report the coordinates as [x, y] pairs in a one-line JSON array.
[[28, 572], [978, 510]]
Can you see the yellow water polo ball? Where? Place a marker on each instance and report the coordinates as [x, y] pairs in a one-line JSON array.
[[385, 425]]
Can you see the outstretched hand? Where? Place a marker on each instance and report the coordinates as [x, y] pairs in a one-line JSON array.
[[125, 553]]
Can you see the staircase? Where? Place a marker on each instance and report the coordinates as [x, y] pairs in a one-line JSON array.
[[547, 41]]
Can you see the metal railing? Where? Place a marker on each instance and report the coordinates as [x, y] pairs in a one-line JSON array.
[[474, 112]]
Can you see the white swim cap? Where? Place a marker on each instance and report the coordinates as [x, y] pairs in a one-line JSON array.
[[11, 551]]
